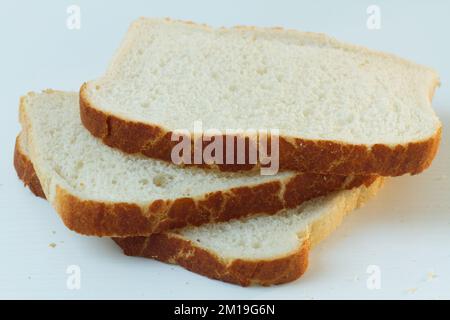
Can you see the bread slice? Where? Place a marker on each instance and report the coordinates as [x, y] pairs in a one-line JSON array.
[[339, 108], [239, 251], [24, 166], [101, 191]]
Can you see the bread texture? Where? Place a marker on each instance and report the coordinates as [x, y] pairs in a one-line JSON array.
[[101, 191], [24, 167], [240, 251], [339, 108]]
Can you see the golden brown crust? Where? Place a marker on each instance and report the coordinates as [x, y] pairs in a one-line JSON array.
[[125, 219], [25, 171], [168, 247], [320, 156], [172, 248], [128, 219]]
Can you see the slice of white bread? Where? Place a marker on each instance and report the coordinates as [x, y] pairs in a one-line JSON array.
[[262, 250], [98, 190], [339, 108]]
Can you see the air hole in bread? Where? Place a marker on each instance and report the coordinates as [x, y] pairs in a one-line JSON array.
[[261, 71], [307, 112], [256, 245], [161, 180], [79, 165]]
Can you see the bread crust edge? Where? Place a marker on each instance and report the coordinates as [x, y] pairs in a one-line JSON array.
[[170, 248], [122, 219], [25, 171], [304, 155]]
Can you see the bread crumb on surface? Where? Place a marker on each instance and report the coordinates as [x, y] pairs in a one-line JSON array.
[[431, 275], [411, 290], [52, 245]]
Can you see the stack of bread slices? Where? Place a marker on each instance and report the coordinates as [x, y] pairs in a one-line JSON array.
[[346, 117]]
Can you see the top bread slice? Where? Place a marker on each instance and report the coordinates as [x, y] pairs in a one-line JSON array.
[[98, 190], [339, 108], [238, 251]]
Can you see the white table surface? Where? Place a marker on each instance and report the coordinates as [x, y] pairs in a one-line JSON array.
[[405, 231]]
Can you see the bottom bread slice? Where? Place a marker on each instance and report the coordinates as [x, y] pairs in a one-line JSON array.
[[262, 250]]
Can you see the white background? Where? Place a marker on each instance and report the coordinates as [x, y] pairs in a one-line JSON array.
[[405, 230]]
